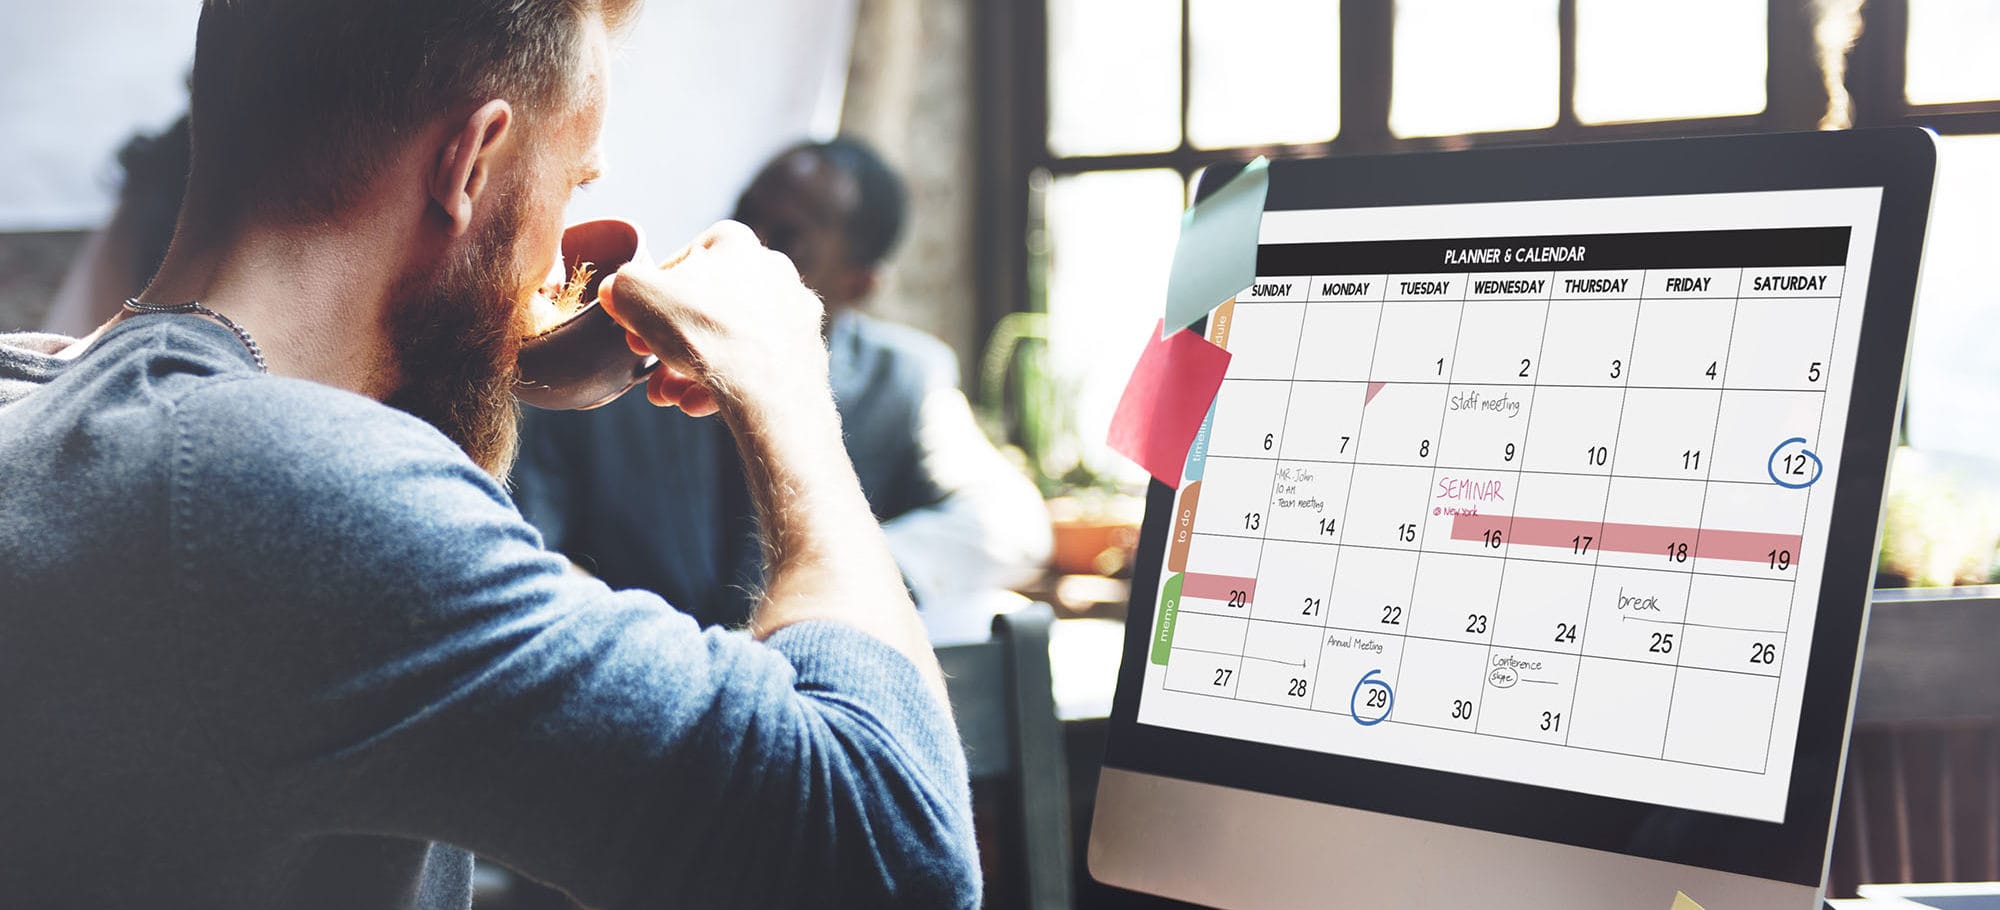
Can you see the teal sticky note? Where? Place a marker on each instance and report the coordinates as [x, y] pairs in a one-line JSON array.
[[1217, 253]]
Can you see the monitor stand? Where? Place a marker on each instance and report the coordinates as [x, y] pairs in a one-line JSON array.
[[1231, 848]]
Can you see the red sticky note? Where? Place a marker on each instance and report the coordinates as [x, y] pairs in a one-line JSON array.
[[1165, 401]]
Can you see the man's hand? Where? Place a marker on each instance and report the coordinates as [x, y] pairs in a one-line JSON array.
[[737, 332], [730, 321]]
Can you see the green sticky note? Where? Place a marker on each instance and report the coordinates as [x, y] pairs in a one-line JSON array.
[[1217, 253], [1163, 632]]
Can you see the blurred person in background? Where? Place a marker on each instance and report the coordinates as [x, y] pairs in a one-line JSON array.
[[657, 501], [272, 634], [121, 257]]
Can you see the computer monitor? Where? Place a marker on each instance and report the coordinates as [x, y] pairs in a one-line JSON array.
[[1524, 557]]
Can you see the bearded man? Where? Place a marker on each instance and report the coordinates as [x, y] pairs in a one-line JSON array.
[[271, 634]]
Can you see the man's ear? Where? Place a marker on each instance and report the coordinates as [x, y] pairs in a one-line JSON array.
[[466, 160]]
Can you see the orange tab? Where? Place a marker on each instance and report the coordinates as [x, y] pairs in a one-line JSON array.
[[1219, 322], [1183, 528]]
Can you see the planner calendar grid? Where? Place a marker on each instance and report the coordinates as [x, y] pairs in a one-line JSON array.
[[1524, 498]]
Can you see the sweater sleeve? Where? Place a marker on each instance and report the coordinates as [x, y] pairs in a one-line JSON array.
[[387, 648]]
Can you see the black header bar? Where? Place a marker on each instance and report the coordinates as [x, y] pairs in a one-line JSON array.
[[1761, 248]]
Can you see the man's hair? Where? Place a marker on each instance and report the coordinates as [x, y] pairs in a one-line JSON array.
[[875, 221], [297, 104]]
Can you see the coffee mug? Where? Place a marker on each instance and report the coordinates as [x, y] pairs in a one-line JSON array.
[[583, 361]]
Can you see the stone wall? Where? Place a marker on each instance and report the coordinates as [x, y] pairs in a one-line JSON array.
[[910, 94]]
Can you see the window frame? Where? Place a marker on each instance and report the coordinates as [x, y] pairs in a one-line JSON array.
[[1011, 65]]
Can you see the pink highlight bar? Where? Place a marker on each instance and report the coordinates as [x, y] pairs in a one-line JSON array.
[[1217, 587], [1705, 543]]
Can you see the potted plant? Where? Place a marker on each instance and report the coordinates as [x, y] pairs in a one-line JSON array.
[[1939, 526], [1027, 410]]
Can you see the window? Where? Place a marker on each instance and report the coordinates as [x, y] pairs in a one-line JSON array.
[[1125, 101], [1249, 84], [1954, 373], [1660, 61], [1111, 240], [1118, 63], [1473, 67], [1950, 51]]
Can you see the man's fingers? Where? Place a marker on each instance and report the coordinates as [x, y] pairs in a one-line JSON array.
[[661, 391], [728, 233], [635, 300], [709, 313], [681, 255], [699, 402], [647, 307], [668, 388], [722, 234], [783, 264], [608, 292], [672, 385]]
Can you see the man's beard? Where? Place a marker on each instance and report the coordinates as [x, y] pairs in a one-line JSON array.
[[456, 333]]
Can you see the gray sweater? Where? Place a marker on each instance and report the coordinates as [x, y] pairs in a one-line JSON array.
[[268, 644]]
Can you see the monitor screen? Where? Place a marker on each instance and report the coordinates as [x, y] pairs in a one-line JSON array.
[[1536, 491]]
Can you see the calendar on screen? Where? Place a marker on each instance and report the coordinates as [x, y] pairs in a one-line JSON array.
[[1535, 492]]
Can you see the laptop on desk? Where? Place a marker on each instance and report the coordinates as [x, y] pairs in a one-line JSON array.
[[1525, 558]]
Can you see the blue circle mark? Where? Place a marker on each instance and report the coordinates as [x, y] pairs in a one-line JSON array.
[[1771, 465], [1371, 679]]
